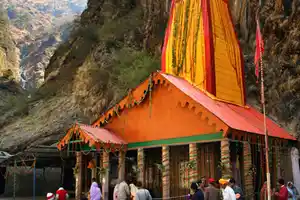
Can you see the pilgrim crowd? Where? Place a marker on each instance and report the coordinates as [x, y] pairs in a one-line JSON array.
[[227, 189], [223, 189]]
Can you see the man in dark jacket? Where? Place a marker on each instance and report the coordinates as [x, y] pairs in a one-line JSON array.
[[198, 194], [237, 190]]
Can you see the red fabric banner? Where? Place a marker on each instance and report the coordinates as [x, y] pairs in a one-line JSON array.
[[259, 48]]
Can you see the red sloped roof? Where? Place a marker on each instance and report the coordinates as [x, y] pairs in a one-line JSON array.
[[101, 135], [241, 118]]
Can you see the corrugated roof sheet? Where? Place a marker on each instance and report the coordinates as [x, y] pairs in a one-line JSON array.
[[240, 118]]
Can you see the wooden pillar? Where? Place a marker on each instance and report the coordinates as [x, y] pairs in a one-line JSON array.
[[105, 178], [94, 172], [225, 158], [121, 167], [193, 157], [141, 164], [78, 175], [166, 172], [100, 167], [248, 175]]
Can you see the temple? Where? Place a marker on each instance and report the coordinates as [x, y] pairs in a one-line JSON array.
[[187, 121]]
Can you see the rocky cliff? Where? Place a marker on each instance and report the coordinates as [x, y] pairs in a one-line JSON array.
[[37, 27], [117, 44], [9, 65], [11, 94]]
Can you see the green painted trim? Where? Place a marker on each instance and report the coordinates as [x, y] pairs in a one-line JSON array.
[[171, 141], [75, 141], [182, 140]]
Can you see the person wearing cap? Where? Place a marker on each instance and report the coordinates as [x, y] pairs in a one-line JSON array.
[[211, 191], [237, 190], [50, 196], [197, 193], [227, 191]]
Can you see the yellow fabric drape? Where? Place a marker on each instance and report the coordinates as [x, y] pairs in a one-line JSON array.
[[185, 50]]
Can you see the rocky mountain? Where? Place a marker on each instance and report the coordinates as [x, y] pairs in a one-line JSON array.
[[11, 94], [117, 44], [37, 27], [9, 65], [36, 55]]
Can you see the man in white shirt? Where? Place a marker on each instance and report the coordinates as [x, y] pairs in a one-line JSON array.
[[227, 191], [123, 190]]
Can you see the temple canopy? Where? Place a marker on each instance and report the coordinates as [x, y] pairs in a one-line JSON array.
[[201, 46], [92, 136]]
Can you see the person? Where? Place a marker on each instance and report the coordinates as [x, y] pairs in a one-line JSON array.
[[133, 190], [197, 193], [115, 193], [227, 191], [142, 193], [95, 191], [283, 192], [237, 190], [212, 192], [201, 184], [204, 181], [61, 194], [123, 190], [263, 192], [292, 190], [50, 196]]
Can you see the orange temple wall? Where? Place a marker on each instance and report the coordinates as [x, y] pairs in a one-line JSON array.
[[166, 118]]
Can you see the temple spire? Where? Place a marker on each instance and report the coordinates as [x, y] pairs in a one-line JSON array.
[[201, 47]]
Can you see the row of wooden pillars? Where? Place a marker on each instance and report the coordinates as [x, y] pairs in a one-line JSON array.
[[193, 173], [103, 175]]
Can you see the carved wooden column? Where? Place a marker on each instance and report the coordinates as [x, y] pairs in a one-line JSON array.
[[193, 161], [141, 164], [121, 167], [78, 175], [248, 176], [105, 179], [166, 172], [225, 158]]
